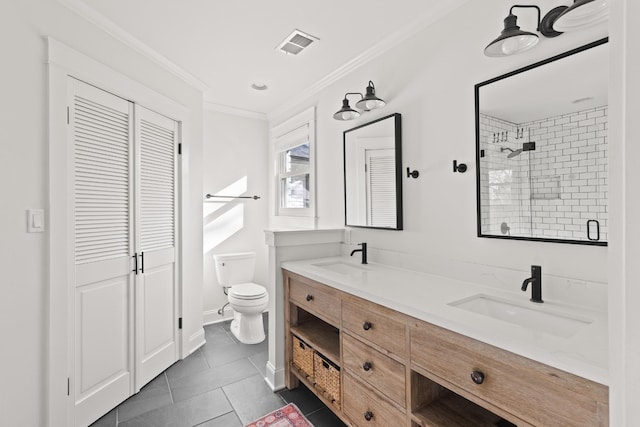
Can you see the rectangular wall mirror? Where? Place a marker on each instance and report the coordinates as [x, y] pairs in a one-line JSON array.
[[372, 174], [541, 150]]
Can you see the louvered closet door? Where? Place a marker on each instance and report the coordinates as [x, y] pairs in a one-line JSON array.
[[381, 187], [101, 127], [156, 296]]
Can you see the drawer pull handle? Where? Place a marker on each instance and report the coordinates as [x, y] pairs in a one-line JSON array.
[[477, 377], [366, 366], [366, 326], [309, 297], [368, 415]]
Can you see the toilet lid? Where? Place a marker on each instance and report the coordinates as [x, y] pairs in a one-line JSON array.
[[247, 291]]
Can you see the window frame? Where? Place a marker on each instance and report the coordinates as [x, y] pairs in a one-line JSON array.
[[291, 133]]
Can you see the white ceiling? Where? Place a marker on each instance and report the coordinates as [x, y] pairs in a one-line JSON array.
[[225, 46]]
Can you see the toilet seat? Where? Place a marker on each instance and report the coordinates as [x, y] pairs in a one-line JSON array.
[[247, 291]]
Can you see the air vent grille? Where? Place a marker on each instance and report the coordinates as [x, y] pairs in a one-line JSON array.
[[296, 42], [301, 40], [291, 48]]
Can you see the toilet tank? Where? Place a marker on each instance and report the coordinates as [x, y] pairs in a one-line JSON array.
[[234, 268]]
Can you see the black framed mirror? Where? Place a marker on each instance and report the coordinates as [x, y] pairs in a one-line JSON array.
[[372, 174], [542, 150]]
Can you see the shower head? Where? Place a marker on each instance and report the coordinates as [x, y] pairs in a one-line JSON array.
[[513, 153]]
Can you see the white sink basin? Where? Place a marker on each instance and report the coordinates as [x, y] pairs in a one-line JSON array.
[[530, 315], [341, 267]]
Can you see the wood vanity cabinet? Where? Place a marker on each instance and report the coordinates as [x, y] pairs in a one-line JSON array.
[[396, 370]]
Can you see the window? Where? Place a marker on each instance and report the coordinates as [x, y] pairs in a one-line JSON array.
[[293, 152], [294, 177]]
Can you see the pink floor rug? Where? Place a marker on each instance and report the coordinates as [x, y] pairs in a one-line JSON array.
[[287, 416]]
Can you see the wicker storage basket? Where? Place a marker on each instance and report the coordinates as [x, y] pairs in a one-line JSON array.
[[327, 376], [303, 356]]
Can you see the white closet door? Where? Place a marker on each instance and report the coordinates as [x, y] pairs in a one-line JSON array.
[[101, 127], [156, 292]]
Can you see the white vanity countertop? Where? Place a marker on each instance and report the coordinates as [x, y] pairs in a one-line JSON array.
[[427, 297]]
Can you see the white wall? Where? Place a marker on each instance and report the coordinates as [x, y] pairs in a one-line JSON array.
[[24, 184], [429, 79], [624, 176], [235, 163]]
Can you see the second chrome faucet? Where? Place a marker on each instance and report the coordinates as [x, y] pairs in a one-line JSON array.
[[536, 283]]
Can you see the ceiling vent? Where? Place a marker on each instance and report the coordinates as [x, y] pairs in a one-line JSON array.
[[296, 42]]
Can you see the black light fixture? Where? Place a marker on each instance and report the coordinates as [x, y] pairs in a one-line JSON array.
[[582, 13], [367, 102], [512, 40], [346, 112], [370, 101]]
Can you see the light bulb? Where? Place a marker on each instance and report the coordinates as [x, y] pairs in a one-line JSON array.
[[373, 103], [348, 115], [518, 44]]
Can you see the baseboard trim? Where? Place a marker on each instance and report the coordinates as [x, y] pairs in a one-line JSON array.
[[210, 317], [196, 341], [274, 378]]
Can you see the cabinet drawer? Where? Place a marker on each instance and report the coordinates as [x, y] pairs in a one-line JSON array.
[[536, 393], [375, 324], [379, 371], [361, 403], [315, 300]]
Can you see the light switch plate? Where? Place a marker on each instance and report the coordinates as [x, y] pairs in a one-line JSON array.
[[35, 220]]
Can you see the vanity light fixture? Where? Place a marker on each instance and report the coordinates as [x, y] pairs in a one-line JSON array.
[[346, 112], [370, 101], [512, 40], [367, 102], [582, 13]]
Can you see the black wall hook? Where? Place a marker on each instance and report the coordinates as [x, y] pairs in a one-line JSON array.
[[412, 174], [462, 168]]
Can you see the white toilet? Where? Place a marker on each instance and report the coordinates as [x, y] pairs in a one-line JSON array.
[[248, 300]]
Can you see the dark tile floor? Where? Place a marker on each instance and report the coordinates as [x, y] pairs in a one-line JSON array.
[[219, 385]]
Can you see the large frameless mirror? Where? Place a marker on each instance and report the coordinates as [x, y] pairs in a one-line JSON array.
[[541, 150], [372, 176]]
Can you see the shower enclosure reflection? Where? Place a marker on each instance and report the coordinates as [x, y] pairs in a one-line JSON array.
[[541, 140]]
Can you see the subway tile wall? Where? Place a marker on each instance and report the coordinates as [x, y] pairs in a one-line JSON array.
[[559, 190]]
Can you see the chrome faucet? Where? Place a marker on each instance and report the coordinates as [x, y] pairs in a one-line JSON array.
[[536, 284], [363, 250]]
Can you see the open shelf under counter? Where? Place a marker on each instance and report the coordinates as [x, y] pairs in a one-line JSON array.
[[321, 336], [309, 382], [434, 405], [451, 410]]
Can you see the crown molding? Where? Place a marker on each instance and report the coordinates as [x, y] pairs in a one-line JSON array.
[[219, 108], [407, 31], [120, 34]]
